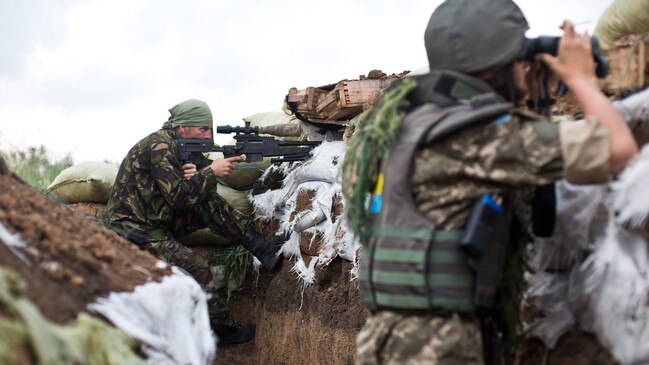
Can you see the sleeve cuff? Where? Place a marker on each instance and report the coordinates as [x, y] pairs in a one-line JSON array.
[[585, 146], [208, 174]]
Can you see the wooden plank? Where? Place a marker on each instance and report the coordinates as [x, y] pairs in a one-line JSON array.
[[346, 113], [358, 92], [306, 100], [340, 101], [642, 57], [627, 64], [295, 96], [327, 104]]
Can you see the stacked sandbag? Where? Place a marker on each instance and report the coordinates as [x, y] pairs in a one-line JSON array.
[[86, 187], [593, 273], [85, 182], [621, 18], [309, 206]]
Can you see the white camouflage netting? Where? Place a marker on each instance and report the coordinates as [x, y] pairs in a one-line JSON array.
[[321, 175], [599, 265], [168, 318]]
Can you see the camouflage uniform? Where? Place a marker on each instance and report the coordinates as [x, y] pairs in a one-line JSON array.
[[449, 176], [151, 204], [422, 340]]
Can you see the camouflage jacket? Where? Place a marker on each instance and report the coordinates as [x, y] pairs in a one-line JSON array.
[[149, 189], [452, 173]]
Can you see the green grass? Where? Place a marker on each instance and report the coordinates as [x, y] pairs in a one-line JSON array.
[[35, 167]]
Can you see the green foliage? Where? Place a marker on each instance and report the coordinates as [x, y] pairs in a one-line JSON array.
[[366, 149], [35, 167], [236, 260]]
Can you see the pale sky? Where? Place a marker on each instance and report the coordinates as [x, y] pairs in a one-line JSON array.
[[92, 77]]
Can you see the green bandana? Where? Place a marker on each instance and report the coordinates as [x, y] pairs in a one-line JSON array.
[[190, 113]]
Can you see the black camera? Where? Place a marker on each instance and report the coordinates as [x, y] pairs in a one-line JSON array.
[[550, 44]]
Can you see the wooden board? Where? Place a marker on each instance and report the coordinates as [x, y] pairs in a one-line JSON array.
[[306, 100], [627, 64], [340, 102]]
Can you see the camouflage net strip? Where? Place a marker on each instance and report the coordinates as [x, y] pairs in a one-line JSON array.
[[25, 335], [366, 149]]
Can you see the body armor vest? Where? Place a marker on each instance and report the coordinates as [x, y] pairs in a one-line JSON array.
[[408, 263]]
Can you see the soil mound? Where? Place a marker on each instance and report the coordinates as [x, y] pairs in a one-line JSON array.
[[68, 259]]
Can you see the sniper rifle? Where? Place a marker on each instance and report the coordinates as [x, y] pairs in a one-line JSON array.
[[248, 143]]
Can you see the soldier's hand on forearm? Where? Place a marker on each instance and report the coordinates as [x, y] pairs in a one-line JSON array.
[[223, 166], [189, 170]]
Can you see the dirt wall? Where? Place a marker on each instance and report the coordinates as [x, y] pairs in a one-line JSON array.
[[295, 325]]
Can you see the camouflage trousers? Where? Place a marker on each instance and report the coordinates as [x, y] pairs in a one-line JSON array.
[[220, 218], [391, 338]]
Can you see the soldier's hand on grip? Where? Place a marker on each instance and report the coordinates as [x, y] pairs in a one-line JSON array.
[[222, 167]]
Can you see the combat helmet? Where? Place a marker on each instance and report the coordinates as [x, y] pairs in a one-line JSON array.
[[474, 35]]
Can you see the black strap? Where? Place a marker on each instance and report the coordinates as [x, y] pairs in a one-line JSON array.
[[492, 340], [544, 210]]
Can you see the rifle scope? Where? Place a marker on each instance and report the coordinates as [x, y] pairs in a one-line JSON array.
[[247, 129]]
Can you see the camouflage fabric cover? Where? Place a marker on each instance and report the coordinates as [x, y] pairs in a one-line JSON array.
[[391, 338], [151, 204]]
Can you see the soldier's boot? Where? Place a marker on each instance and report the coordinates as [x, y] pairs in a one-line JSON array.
[[232, 335], [225, 326], [266, 251]]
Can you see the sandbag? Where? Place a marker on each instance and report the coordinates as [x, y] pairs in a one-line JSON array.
[[269, 118], [244, 173], [237, 199], [621, 18], [85, 182], [204, 237]]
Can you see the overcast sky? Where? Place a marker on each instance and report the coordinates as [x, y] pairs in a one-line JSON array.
[[92, 77]]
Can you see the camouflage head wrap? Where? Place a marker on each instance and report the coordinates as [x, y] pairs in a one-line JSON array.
[[190, 113]]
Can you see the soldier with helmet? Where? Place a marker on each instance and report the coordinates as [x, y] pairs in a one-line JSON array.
[[438, 179]]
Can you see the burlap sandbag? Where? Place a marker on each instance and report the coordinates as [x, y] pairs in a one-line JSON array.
[[204, 237], [85, 182], [244, 173], [621, 18]]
